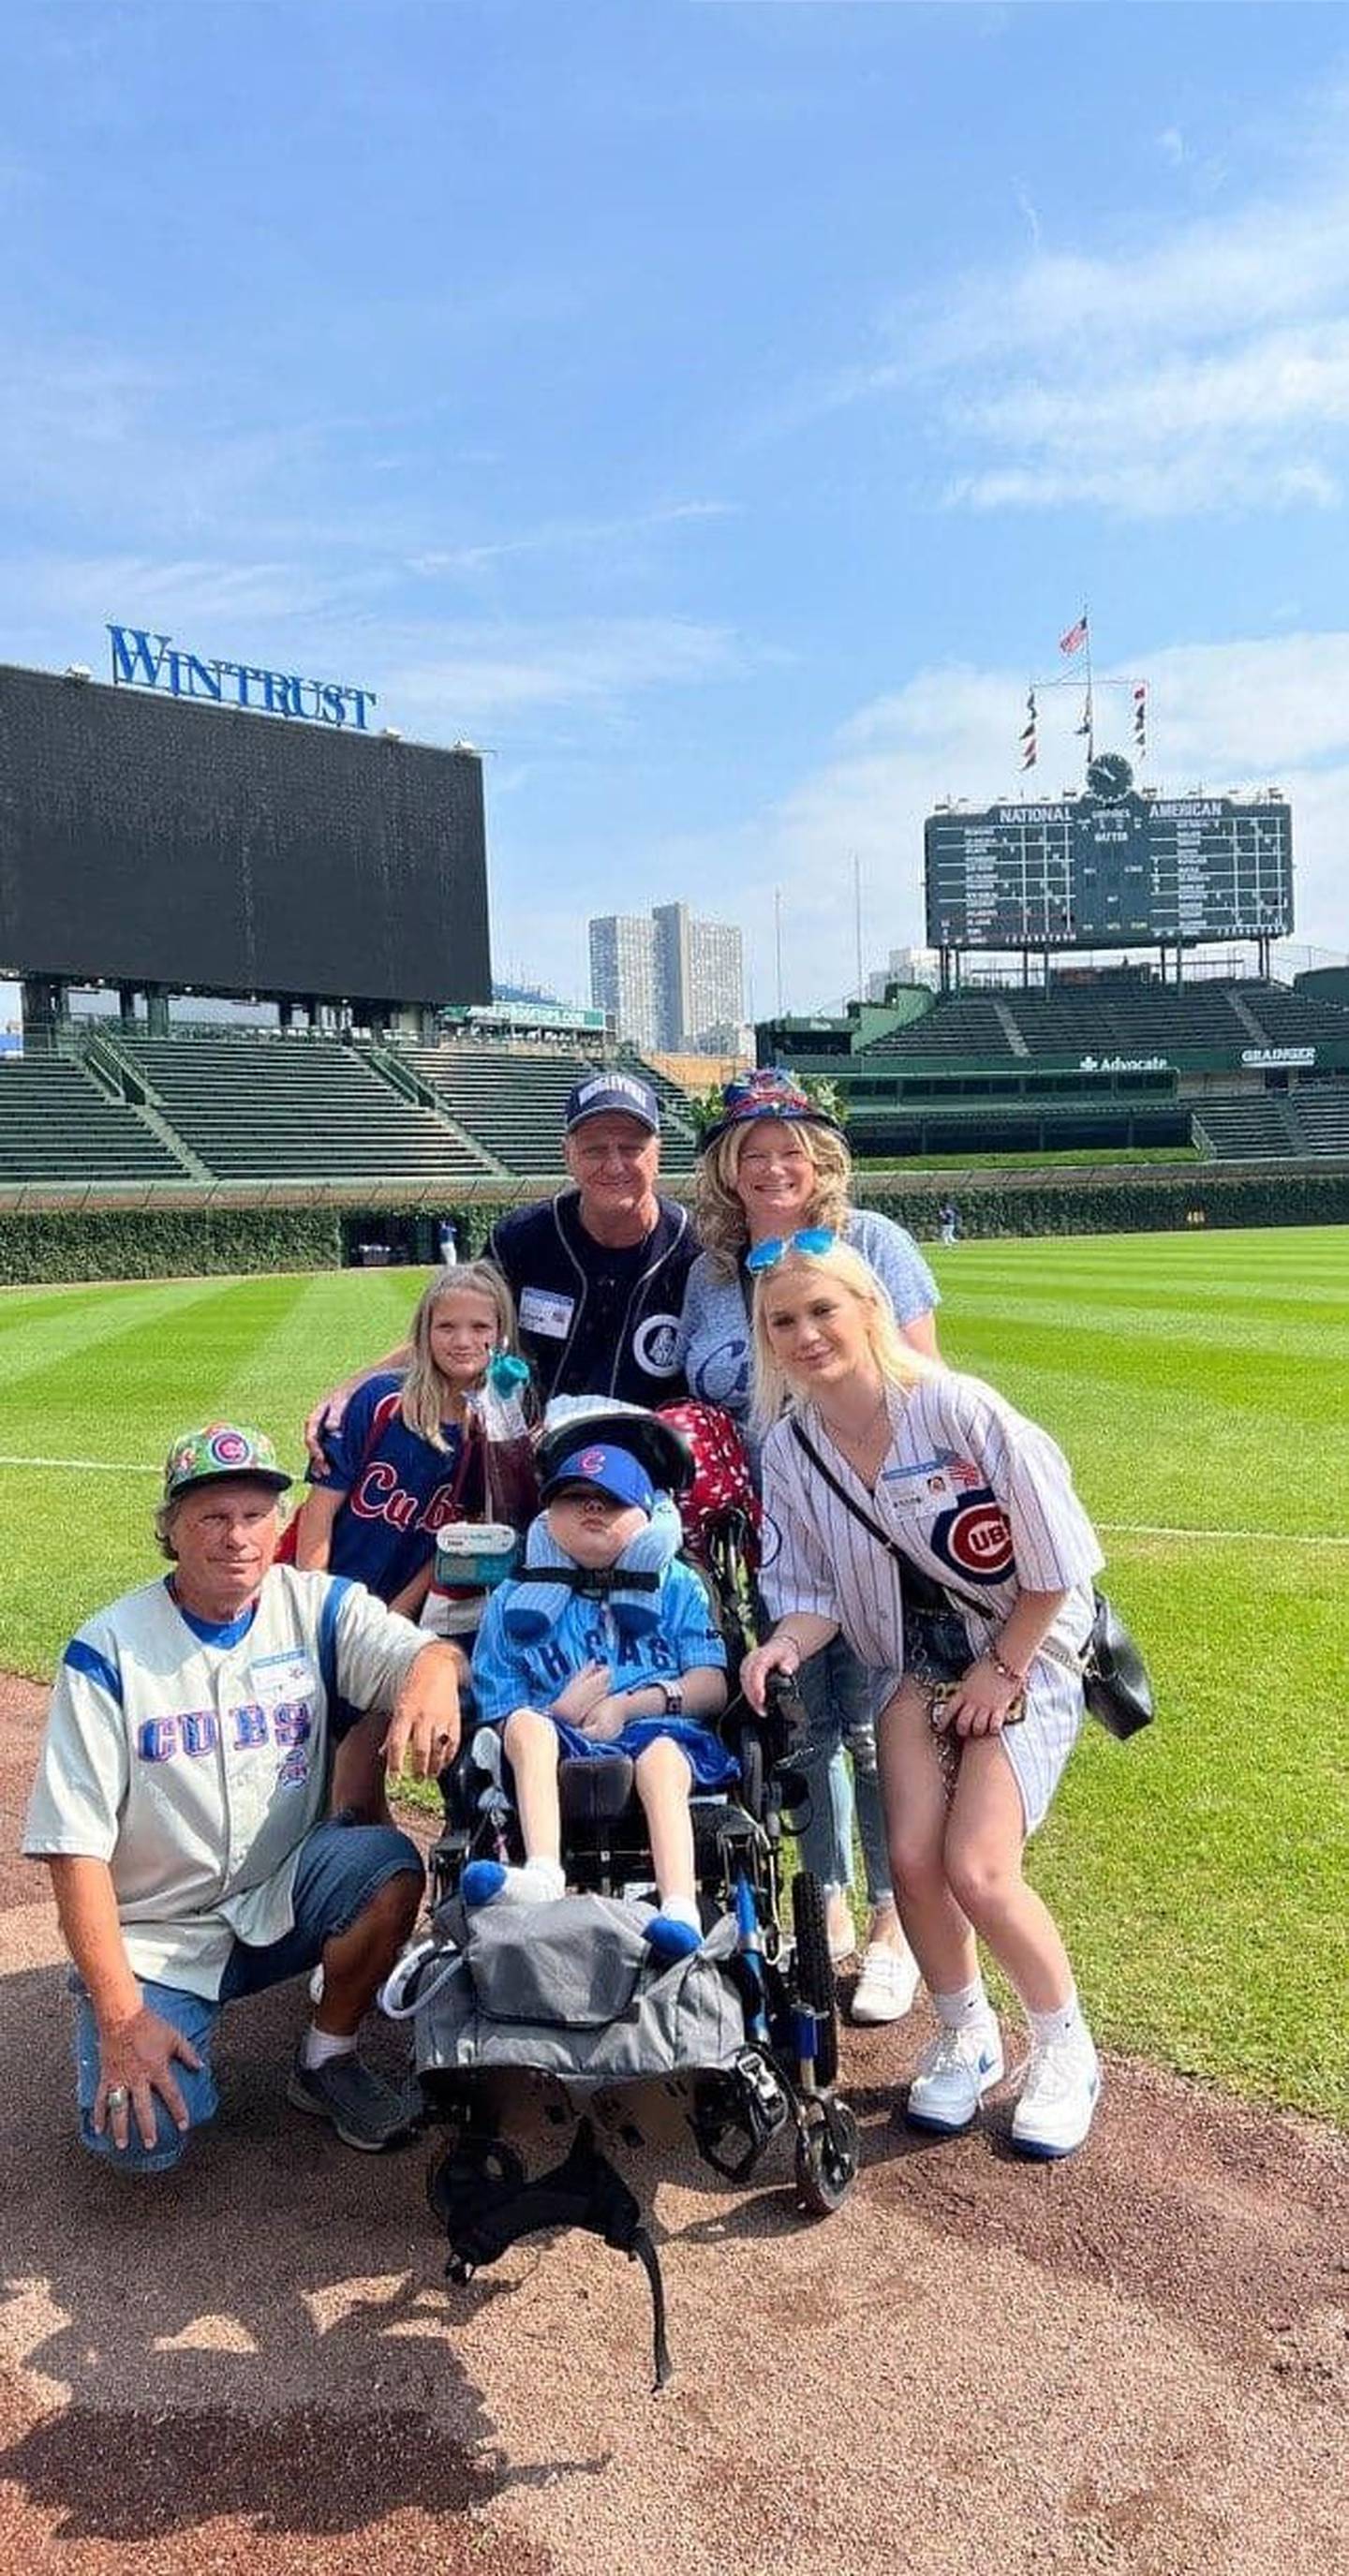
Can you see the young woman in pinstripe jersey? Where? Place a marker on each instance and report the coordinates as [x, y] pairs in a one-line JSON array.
[[980, 1700]]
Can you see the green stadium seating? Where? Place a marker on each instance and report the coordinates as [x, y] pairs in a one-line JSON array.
[[264, 1107], [57, 1126], [512, 1099]]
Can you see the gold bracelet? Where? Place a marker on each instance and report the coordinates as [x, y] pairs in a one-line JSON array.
[[1008, 1671]]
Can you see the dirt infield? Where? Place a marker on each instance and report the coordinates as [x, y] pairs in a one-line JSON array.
[[1137, 2361]]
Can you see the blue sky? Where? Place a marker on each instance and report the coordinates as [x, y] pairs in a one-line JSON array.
[[716, 411]]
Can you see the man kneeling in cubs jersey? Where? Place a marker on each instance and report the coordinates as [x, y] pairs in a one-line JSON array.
[[180, 1807]]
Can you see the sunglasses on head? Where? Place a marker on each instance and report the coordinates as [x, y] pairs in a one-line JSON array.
[[766, 1256]]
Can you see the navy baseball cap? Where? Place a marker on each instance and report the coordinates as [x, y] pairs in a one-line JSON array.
[[625, 1092], [602, 1469]]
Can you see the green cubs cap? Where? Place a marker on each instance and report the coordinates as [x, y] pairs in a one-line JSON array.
[[221, 1449]]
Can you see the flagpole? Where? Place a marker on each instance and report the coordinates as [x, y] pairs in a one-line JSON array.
[[1091, 702]]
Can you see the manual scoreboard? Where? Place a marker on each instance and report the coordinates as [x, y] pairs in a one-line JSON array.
[[1110, 868]]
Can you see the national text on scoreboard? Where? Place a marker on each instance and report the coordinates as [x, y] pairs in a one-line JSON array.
[[1110, 871]]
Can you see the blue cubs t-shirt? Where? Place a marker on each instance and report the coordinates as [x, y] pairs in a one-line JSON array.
[[399, 1489]]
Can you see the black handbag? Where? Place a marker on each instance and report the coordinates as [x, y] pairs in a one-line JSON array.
[[1115, 1681]]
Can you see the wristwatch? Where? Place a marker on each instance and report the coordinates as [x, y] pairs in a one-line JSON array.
[[673, 1695]]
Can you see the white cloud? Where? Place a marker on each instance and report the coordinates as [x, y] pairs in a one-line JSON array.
[[565, 536], [487, 674]]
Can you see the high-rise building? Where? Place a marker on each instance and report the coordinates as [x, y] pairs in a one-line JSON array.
[[670, 981], [699, 977], [623, 974]]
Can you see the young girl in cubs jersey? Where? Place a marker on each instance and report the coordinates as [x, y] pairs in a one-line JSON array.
[[401, 1465]]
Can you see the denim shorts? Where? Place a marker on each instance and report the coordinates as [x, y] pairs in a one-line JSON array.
[[342, 1869], [936, 1645]]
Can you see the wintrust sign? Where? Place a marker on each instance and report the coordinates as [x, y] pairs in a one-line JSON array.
[[141, 660]]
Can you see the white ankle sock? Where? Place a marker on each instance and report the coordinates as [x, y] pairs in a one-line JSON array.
[[537, 1883], [1051, 2029], [319, 2047], [682, 1909], [964, 2005]]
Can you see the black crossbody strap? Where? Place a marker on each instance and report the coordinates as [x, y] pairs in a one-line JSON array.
[[922, 1588]]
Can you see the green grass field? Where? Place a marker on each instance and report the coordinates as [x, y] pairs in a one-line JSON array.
[[1200, 1386]]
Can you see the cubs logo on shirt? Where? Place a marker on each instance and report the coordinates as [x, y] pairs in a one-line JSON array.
[[975, 1539]]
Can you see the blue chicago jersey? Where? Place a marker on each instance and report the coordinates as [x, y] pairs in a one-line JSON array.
[[399, 1489], [510, 1672]]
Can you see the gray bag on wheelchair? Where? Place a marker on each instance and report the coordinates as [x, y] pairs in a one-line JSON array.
[[572, 1990]]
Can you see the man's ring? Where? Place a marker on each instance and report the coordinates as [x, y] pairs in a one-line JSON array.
[[118, 2097]]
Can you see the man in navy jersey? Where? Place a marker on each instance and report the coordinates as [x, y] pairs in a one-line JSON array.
[[598, 1272]]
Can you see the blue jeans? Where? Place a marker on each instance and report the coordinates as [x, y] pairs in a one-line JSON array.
[[342, 1869], [834, 1686]]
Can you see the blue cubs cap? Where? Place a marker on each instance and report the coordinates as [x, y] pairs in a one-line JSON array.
[[605, 1470], [625, 1092]]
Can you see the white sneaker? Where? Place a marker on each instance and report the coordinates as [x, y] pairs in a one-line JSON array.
[[1058, 2097], [887, 1984], [955, 2071]]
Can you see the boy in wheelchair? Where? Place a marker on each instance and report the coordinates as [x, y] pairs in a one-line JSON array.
[[609, 1646]]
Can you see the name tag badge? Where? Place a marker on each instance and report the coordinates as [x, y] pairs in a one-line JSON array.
[[279, 1679], [909, 1493], [541, 1311]]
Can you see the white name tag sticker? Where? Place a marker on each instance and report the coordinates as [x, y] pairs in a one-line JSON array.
[[542, 1311], [283, 1677]]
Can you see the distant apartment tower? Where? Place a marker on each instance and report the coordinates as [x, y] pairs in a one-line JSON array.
[[623, 974], [669, 980], [700, 977]]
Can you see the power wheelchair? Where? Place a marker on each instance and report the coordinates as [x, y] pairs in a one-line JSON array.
[[766, 1942]]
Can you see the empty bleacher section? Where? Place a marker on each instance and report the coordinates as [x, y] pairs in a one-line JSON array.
[[57, 1126], [512, 1100], [1321, 1117], [294, 1109], [1259, 1128], [955, 1027], [1124, 1062], [1289, 1018]]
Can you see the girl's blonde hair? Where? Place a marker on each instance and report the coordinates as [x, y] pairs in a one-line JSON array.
[[899, 1364], [718, 1214], [426, 1396]]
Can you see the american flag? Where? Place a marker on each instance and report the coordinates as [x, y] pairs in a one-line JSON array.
[[1076, 636]]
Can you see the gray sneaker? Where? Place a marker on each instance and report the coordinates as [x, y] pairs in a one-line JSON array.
[[366, 2112]]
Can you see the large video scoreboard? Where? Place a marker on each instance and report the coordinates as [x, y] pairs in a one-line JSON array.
[[1109, 868], [146, 840]]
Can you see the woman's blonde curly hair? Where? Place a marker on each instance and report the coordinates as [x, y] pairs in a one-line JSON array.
[[717, 1212]]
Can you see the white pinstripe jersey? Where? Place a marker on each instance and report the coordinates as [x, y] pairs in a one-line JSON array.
[[979, 1497], [196, 1768]]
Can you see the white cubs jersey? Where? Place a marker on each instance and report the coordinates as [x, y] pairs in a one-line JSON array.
[[194, 1762], [981, 1500]]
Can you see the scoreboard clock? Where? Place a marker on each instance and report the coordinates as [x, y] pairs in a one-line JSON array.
[[1110, 868]]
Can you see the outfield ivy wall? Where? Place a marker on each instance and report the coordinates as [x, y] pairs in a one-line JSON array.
[[159, 1243]]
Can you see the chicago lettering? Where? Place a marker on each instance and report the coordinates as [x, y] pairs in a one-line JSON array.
[[145, 661]]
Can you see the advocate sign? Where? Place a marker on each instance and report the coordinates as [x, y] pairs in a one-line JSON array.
[[141, 660]]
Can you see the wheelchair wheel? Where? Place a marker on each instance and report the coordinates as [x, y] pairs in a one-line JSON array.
[[813, 1978], [827, 2159]]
